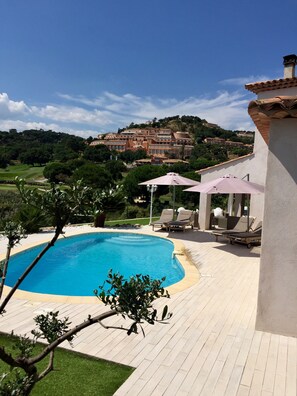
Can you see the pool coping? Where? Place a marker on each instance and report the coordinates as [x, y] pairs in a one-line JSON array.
[[191, 277]]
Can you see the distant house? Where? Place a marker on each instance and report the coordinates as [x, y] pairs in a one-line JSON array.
[[215, 140], [157, 142], [159, 161], [234, 144], [246, 134], [117, 145], [183, 138], [222, 142]]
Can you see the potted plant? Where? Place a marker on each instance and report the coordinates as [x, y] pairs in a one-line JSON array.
[[106, 200]]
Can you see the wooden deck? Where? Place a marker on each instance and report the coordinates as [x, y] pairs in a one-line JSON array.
[[210, 345]]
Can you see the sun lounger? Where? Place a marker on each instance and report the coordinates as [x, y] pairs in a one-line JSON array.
[[166, 216], [241, 226], [247, 238], [185, 218]]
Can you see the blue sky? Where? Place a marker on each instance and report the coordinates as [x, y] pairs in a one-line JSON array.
[[91, 66]]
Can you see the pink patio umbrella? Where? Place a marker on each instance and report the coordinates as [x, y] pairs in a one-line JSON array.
[[171, 179], [228, 184]]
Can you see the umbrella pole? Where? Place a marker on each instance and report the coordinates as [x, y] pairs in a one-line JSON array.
[[151, 188], [173, 199], [248, 213]]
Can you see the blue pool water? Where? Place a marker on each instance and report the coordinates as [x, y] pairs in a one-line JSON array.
[[77, 265]]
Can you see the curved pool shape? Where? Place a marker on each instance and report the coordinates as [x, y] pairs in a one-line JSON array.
[[77, 265]]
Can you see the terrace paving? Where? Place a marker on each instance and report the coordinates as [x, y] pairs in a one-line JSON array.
[[210, 345]]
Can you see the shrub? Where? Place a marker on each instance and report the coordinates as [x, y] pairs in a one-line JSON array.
[[31, 219], [133, 212], [10, 202]]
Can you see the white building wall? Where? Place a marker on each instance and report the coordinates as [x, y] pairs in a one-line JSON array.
[[277, 300], [278, 92], [254, 165]]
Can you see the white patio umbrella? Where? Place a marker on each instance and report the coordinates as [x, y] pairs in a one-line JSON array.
[[228, 184], [171, 179]]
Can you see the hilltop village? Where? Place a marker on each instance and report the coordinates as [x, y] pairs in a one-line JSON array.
[[160, 144]]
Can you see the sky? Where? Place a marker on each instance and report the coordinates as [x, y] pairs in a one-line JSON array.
[[91, 66]]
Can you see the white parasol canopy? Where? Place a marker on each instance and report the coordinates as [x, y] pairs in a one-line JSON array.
[[171, 179]]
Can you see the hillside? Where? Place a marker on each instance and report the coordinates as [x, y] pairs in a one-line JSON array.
[[197, 127], [39, 147], [63, 158]]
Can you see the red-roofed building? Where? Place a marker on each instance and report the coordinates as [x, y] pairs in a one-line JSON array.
[[157, 142]]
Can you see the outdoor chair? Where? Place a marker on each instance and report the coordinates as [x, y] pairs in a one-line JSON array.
[[166, 216], [248, 238], [184, 218], [241, 226]]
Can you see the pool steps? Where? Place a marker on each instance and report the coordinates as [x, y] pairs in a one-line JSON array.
[[132, 240]]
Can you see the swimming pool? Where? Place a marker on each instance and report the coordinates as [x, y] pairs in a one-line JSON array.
[[77, 265]]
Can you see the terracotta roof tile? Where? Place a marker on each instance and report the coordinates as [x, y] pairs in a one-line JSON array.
[[271, 85], [279, 107]]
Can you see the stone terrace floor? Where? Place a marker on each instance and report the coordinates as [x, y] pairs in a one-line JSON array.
[[210, 346]]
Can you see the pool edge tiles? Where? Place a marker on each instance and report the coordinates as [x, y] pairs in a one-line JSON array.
[[191, 272], [192, 275]]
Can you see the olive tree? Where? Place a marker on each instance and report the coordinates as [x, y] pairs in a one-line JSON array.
[[58, 205], [131, 298]]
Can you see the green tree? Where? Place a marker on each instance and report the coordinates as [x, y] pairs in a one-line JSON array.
[[63, 153], [35, 156], [74, 143], [10, 202], [202, 163], [130, 156], [139, 175], [94, 176], [99, 153], [58, 205], [3, 161], [111, 198], [57, 172], [31, 218], [180, 167], [115, 168]]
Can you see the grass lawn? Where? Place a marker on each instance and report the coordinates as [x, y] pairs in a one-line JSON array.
[[8, 187], [141, 221], [26, 172], [75, 374]]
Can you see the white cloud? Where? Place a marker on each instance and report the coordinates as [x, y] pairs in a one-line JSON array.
[[111, 111], [10, 108], [241, 81], [82, 99], [69, 114]]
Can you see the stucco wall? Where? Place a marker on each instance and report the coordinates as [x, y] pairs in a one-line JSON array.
[[277, 301], [278, 92], [254, 165]]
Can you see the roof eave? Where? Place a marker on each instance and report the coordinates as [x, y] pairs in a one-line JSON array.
[[271, 85], [222, 164]]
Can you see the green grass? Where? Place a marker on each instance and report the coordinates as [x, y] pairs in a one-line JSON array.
[[8, 187], [75, 374], [26, 172], [141, 221]]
